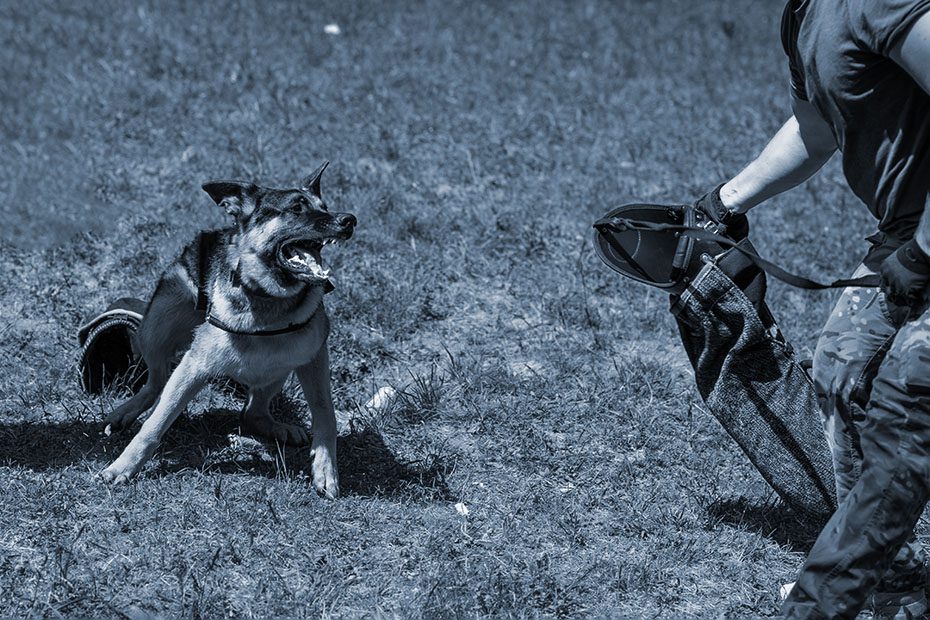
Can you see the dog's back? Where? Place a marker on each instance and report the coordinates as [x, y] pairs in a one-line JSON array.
[[178, 304]]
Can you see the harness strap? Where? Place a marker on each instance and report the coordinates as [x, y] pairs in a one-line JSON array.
[[620, 224], [293, 327], [203, 267]]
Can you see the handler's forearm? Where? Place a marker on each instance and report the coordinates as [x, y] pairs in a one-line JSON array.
[[786, 162]]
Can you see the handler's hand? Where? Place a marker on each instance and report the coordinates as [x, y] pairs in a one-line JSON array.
[[905, 275], [733, 225]]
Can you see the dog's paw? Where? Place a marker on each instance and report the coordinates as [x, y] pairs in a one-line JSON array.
[[114, 476], [115, 423], [325, 477], [121, 471], [268, 428]]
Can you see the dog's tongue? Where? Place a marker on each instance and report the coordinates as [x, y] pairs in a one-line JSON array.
[[315, 264]]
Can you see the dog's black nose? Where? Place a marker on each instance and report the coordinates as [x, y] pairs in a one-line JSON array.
[[346, 220]]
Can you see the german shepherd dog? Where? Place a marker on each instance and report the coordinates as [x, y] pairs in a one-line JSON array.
[[244, 302]]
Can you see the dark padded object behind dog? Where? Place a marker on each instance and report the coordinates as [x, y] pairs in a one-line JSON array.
[[109, 354]]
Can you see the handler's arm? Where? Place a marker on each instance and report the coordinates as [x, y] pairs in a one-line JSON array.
[[913, 53], [800, 148]]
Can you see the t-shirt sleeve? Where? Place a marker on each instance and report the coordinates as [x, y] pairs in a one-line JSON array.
[[790, 25], [880, 24]]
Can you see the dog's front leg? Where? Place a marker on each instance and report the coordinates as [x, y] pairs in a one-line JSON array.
[[315, 381], [186, 380]]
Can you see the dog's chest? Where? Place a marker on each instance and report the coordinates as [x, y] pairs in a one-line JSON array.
[[260, 360]]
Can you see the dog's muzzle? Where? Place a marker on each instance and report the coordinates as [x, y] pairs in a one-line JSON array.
[[302, 256]]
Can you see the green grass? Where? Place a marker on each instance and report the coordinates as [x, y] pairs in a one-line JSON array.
[[476, 143]]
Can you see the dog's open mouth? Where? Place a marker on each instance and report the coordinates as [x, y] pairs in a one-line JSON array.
[[302, 258]]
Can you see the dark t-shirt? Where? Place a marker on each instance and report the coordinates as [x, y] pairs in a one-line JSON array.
[[880, 116]]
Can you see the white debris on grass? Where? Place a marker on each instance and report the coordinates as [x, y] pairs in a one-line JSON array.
[[332, 29], [462, 509], [376, 406], [381, 399]]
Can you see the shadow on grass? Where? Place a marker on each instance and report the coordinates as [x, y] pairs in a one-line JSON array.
[[773, 520], [211, 442]]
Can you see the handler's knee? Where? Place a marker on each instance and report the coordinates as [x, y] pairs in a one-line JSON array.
[[851, 346], [837, 370], [901, 390]]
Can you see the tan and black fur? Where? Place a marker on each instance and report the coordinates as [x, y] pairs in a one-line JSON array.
[[246, 303]]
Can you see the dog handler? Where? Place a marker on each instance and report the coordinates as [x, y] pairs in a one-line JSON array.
[[860, 78]]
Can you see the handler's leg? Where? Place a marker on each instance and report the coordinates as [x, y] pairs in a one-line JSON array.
[[851, 348], [878, 514]]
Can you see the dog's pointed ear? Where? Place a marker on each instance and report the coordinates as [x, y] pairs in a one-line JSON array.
[[236, 197], [312, 182]]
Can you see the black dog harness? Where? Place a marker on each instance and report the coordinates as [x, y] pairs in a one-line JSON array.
[[207, 241]]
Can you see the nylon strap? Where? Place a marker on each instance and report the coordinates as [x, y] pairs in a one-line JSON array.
[[293, 327], [203, 267], [620, 224]]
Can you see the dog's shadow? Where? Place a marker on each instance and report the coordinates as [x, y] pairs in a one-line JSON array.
[[774, 520], [211, 442]]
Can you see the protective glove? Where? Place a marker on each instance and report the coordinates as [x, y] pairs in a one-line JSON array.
[[905, 276], [733, 225]]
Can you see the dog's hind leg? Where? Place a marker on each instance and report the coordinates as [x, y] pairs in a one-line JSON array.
[[256, 418], [167, 327], [123, 416]]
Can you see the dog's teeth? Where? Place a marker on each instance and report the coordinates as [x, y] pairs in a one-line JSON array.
[[317, 270]]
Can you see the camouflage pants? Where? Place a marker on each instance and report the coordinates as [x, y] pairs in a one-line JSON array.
[[872, 374]]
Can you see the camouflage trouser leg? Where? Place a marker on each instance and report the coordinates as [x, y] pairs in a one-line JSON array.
[[852, 346], [869, 375]]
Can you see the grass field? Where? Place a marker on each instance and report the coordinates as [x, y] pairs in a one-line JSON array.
[[548, 455]]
